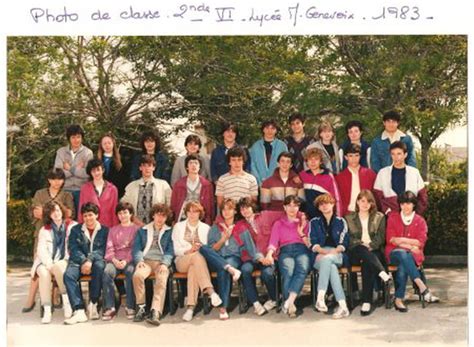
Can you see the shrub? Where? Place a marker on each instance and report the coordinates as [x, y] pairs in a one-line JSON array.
[[447, 219], [20, 228]]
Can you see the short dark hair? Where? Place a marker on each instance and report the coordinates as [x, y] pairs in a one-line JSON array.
[[161, 209], [193, 138], [122, 206], [56, 174], [399, 144], [150, 135], [269, 122], [192, 157], [236, 152], [48, 208], [292, 199], [285, 154], [247, 202], [393, 115], [147, 159], [93, 163], [74, 129], [90, 207], [229, 126], [408, 197], [296, 116], [353, 123], [352, 148]]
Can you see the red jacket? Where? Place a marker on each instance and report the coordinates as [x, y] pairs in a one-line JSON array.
[[206, 198], [344, 183], [416, 230], [274, 190], [107, 202]]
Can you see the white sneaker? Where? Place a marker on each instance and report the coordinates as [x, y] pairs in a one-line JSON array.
[[223, 315], [384, 276], [216, 299], [259, 309], [365, 308], [78, 316], [92, 310], [188, 315], [66, 306], [46, 315], [321, 306], [429, 297], [341, 313], [270, 305]]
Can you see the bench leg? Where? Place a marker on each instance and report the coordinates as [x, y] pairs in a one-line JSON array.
[[242, 298], [170, 290], [314, 288], [278, 291], [349, 290]]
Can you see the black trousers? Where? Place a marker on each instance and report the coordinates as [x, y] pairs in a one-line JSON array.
[[371, 263]]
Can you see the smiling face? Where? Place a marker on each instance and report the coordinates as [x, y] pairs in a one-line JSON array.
[[228, 213], [285, 164], [363, 204], [297, 127], [192, 148], [314, 163], [97, 173], [407, 208], [107, 144], [56, 215], [354, 134], [326, 208], [90, 219], [246, 212]]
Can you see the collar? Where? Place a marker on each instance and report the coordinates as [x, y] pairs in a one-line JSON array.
[[407, 220], [354, 172], [396, 137]]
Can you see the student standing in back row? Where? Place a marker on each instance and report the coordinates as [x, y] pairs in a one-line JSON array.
[[264, 152], [327, 144], [380, 149], [297, 141]]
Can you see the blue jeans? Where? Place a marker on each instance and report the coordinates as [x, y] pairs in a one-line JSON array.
[[328, 271], [406, 266], [73, 286], [267, 276], [108, 283], [293, 263], [217, 263]]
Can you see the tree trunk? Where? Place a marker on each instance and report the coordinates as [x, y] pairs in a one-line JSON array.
[[425, 160]]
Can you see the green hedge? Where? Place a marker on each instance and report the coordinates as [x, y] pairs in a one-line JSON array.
[[446, 217]]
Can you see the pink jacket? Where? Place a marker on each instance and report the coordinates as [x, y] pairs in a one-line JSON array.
[[206, 198], [285, 232], [416, 230], [107, 202]]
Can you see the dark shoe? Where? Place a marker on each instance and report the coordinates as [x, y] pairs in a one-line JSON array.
[[28, 309], [399, 308], [429, 297], [140, 315], [153, 318]]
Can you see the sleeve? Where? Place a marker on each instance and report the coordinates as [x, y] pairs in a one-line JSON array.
[[98, 248], [274, 237], [249, 245], [207, 168], [411, 157], [179, 245], [114, 204], [134, 170], [314, 237], [248, 163], [391, 230], [83, 196], [110, 248], [82, 173], [219, 187], [168, 192], [175, 173], [253, 186], [378, 192], [422, 235], [374, 159], [336, 195], [214, 236], [164, 170], [68, 202], [127, 197], [213, 165], [344, 238], [75, 252], [253, 164], [369, 151], [209, 204], [169, 252], [379, 238], [265, 195], [59, 163], [353, 241], [137, 250], [42, 248]]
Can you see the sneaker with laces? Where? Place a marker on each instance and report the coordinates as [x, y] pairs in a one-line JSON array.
[[215, 299], [92, 310], [78, 316], [270, 305], [321, 306], [109, 314], [188, 315], [154, 317], [259, 309], [140, 314], [129, 312], [341, 313]]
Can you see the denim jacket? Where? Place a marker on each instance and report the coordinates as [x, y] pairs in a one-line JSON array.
[[83, 247], [143, 240]]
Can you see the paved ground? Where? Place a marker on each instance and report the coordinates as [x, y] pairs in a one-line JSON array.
[[439, 324]]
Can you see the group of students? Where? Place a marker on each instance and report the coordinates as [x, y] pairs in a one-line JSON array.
[[319, 208]]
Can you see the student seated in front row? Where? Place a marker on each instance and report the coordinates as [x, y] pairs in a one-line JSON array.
[[153, 252], [87, 244]]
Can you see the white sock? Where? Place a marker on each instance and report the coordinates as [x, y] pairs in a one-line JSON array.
[[321, 295], [256, 304], [365, 307], [286, 304], [342, 304], [384, 276]]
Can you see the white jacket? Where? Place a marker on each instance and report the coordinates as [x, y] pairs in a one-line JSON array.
[[179, 244], [44, 250], [161, 192]]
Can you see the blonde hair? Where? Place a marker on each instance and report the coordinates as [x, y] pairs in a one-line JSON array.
[[325, 125], [324, 199], [195, 205], [314, 152]]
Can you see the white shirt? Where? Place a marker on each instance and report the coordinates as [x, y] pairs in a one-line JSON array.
[[365, 230], [355, 188]]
